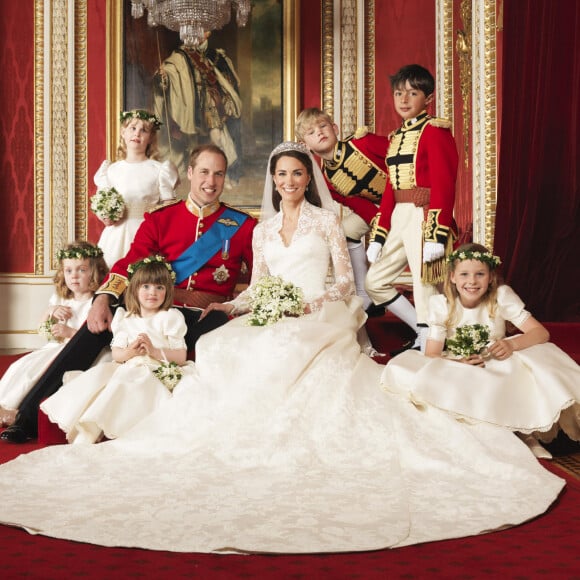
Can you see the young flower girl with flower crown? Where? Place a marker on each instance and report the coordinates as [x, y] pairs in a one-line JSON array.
[[149, 355], [81, 269], [521, 382], [137, 179]]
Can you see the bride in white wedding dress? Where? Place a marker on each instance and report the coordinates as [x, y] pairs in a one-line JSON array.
[[282, 441]]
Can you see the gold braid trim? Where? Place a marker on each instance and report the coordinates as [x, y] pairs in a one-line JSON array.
[[378, 233], [115, 285], [434, 272], [361, 132], [162, 205], [441, 123]]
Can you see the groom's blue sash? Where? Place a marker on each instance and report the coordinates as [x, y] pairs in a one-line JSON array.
[[206, 246]]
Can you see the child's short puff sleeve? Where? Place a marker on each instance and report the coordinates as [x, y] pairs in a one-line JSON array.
[[438, 313], [174, 328], [511, 306], [120, 334], [168, 179], [101, 178]]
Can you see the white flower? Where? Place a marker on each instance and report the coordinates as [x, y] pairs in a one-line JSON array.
[[108, 203], [45, 330], [273, 298], [469, 339], [169, 373]]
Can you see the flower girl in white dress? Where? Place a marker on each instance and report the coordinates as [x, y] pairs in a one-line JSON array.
[[149, 355], [80, 271], [521, 382], [137, 177]]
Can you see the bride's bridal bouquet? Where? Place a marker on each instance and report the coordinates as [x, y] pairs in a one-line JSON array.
[[469, 339], [108, 203], [273, 298]]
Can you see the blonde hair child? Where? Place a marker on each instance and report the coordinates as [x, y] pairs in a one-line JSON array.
[[81, 268], [133, 184], [478, 373]]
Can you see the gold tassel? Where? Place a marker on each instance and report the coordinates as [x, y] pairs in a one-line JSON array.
[[434, 272]]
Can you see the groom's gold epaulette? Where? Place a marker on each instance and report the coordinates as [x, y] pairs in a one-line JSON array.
[[162, 205]]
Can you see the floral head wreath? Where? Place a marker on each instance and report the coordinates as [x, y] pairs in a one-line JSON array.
[[79, 253], [141, 114], [132, 268], [492, 261]]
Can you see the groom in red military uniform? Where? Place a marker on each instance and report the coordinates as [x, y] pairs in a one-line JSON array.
[[206, 243]]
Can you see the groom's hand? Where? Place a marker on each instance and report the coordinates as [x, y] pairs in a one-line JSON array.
[[100, 315]]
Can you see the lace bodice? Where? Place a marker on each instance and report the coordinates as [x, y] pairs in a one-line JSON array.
[[318, 243]]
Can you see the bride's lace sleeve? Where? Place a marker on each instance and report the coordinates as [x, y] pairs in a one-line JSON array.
[[342, 284], [242, 302]]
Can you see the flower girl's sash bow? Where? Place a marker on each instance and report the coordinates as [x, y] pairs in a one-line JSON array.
[[216, 238]]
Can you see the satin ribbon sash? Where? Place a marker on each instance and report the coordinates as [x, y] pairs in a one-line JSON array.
[[207, 245]]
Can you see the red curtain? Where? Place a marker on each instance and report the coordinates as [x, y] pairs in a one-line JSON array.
[[538, 201]]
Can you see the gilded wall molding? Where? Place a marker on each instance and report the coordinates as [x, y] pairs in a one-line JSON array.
[[444, 59], [81, 121], [39, 174], [369, 64], [328, 56], [59, 127], [484, 121], [464, 55], [348, 67]]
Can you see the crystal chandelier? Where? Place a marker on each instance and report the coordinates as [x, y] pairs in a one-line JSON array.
[[191, 18]]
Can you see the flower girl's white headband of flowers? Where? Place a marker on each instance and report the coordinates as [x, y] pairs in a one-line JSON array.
[[143, 115], [492, 261], [79, 253], [132, 268]]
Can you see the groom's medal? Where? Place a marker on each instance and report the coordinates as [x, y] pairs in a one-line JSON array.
[[225, 249]]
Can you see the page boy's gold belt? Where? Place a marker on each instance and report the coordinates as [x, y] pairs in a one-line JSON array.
[[196, 298], [419, 196]]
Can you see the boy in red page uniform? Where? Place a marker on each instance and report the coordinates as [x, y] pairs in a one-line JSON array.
[[414, 226], [356, 175]]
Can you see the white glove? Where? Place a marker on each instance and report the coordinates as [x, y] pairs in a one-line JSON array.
[[433, 251], [374, 251]]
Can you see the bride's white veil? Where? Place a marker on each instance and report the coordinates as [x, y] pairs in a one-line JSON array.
[[268, 209]]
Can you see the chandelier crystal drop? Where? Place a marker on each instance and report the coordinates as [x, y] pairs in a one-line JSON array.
[[192, 18]]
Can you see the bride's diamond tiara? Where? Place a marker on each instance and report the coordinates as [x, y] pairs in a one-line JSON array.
[[290, 146]]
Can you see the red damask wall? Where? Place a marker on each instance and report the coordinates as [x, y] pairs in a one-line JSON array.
[[17, 137]]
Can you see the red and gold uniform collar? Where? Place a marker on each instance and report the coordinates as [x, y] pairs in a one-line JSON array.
[[412, 123], [204, 211]]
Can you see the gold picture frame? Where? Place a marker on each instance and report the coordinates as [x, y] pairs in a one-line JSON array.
[[275, 125]]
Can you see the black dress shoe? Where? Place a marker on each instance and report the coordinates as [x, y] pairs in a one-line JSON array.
[[15, 434]]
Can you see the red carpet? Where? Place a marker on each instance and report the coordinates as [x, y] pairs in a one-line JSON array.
[[546, 548]]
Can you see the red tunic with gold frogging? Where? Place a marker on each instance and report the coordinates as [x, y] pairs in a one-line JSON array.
[[422, 153], [171, 229]]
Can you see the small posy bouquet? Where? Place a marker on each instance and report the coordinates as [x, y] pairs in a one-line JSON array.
[[169, 373], [469, 339], [45, 329], [108, 203], [273, 298]]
